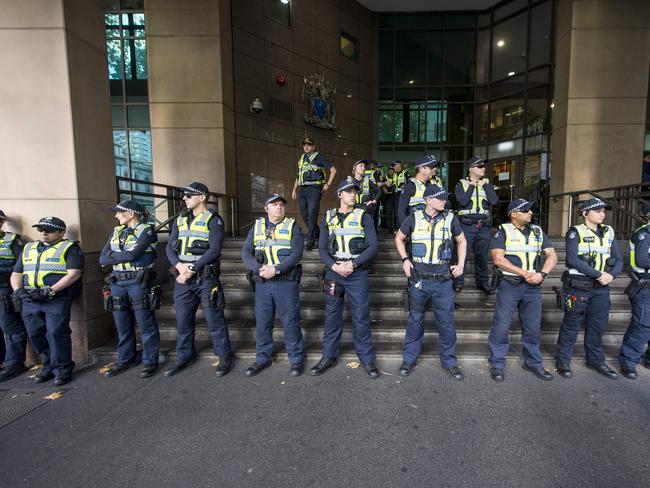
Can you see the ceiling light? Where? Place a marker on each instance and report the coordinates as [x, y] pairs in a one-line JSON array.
[[505, 146], [411, 82], [553, 105], [285, 1], [349, 95], [501, 43], [512, 73]]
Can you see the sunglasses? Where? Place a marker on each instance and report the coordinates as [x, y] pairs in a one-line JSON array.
[[190, 195], [45, 230], [480, 166]]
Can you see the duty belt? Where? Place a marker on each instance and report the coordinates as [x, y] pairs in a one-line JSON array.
[[431, 276], [476, 222]]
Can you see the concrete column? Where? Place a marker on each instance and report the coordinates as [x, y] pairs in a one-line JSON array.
[[55, 132], [601, 86], [191, 92]]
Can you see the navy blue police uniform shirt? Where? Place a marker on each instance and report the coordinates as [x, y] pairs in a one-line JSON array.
[[146, 239], [215, 242], [464, 197], [573, 261], [407, 228], [641, 240], [499, 239], [370, 235], [321, 162], [74, 258], [405, 198], [297, 245]]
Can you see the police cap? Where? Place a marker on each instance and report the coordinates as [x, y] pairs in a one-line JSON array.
[[521, 205], [347, 184], [593, 204], [52, 223], [196, 188], [274, 197], [129, 206], [434, 191]]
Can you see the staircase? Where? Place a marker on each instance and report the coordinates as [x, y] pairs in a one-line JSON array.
[[387, 281]]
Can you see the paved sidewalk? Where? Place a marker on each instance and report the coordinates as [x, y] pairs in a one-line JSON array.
[[339, 430]]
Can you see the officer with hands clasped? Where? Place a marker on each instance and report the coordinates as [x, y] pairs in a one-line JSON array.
[[129, 295], [11, 323], [428, 267], [637, 334], [46, 281], [348, 242], [272, 252], [194, 251], [594, 260], [517, 249], [475, 195]]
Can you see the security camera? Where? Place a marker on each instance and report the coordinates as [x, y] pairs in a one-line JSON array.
[[256, 106]]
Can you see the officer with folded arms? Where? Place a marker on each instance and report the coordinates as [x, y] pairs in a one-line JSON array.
[[272, 252], [594, 260], [369, 193], [194, 251], [412, 198], [348, 242], [433, 233], [637, 334], [11, 323], [130, 252], [517, 249], [46, 281]]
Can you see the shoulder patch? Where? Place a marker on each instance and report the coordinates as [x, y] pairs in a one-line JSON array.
[[571, 235], [498, 233], [642, 236]]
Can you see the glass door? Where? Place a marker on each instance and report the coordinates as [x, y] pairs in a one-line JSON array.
[[503, 177]]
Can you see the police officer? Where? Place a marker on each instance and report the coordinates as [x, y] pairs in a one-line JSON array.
[[517, 249], [368, 194], [194, 249], [435, 178], [46, 292], [475, 195], [412, 198], [396, 182], [638, 332], [131, 253], [272, 252], [311, 179], [11, 323], [348, 242], [432, 232], [594, 260]]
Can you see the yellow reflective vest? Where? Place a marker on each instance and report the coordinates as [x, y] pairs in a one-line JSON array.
[[275, 245], [398, 180], [418, 196], [476, 203], [363, 194], [37, 265], [307, 166], [436, 180], [7, 258], [189, 235], [633, 265], [128, 244], [591, 244], [431, 244], [349, 235], [523, 251]]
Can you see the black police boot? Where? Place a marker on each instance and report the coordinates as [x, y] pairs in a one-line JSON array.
[[458, 287], [646, 363], [117, 369], [603, 369], [297, 369], [456, 373], [43, 375], [256, 368], [62, 380], [371, 370], [629, 373], [540, 372], [406, 369], [177, 368], [323, 365], [148, 370], [497, 374], [11, 371], [487, 289], [564, 370], [225, 363]]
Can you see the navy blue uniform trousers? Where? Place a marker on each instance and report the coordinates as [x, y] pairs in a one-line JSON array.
[[283, 296], [595, 311], [48, 328], [441, 294], [478, 241], [186, 301], [309, 206], [356, 291], [11, 324], [124, 323], [638, 332], [527, 299]]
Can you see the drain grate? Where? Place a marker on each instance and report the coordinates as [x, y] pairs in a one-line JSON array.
[[18, 402]]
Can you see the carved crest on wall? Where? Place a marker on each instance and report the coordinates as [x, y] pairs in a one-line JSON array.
[[318, 95]]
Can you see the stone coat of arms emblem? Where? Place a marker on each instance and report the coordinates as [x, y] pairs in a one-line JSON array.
[[318, 95]]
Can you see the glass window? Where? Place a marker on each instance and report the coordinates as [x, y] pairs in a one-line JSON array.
[[349, 46], [459, 55], [410, 21], [504, 148], [280, 11], [540, 35], [509, 8], [482, 124], [460, 20], [390, 123], [460, 120], [435, 21], [436, 121], [509, 47], [114, 51], [417, 121], [483, 56], [459, 93], [410, 58], [120, 153], [507, 118], [538, 110], [117, 112], [138, 116], [386, 48], [434, 57]]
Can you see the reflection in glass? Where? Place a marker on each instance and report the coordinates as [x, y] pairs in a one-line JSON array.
[[410, 57], [482, 119], [120, 153], [459, 55], [117, 112], [460, 119], [511, 56], [138, 116], [538, 109], [506, 119], [436, 121], [504, 148], [540, 35], [114, 52], [386, 57], [434, 56]]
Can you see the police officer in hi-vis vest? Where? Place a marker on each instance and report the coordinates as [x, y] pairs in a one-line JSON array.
[[637, 334], [46, 281], [272, 252], [194, 250], [396, 182], [130, 252], [433, 233], [518, 249], [11, 323], [313, 181], [412, 198], [348, 242], [369, 193], [475, 195], [594, 260]]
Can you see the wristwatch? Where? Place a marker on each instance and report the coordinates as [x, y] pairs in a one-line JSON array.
[[405, 259], [277, 271], [191, 267], [544, 274]]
